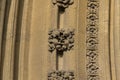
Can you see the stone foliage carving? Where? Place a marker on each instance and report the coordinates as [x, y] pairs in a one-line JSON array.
[[61, 75], [63, 3], [61, 40], [92, 40]]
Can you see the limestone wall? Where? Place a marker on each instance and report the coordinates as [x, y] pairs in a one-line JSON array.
[[24, 27]]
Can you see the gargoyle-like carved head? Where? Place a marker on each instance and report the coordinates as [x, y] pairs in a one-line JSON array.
[[63, 3]]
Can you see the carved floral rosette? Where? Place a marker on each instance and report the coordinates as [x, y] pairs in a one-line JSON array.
[[60, 40], [63, 3], [61, 75], [92, 40]]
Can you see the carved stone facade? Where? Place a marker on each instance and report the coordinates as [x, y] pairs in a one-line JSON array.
[[29, 50]]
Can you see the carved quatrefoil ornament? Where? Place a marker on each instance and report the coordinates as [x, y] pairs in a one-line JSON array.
[[63, 3], [61, 40]]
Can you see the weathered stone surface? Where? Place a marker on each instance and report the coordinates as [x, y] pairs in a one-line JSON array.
[[24, 27]]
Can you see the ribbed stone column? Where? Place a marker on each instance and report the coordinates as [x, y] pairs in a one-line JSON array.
[[2, 13], [9, 40], [116, 37], [23, 35]]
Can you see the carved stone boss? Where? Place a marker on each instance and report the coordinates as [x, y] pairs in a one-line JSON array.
[[63, 3], [60, 41]]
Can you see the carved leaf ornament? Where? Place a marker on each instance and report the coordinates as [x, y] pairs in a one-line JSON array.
[[60, 40], [61, 75], [63, 3]]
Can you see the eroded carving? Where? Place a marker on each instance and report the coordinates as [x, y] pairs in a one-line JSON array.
[[61, 75], [63, 3], [61, 40], [92, 40]]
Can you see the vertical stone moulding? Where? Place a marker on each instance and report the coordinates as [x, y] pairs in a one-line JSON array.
[[60, 40], [92, 40]]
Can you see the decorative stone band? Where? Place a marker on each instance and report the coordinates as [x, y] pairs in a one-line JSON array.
[[60, 40], [92, 40], [63, 3], [61, 75]]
